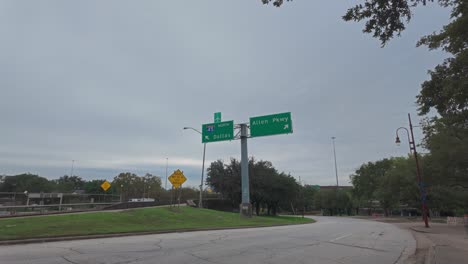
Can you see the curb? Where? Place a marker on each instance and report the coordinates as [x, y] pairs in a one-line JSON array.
[[430, 254], [70, 238]]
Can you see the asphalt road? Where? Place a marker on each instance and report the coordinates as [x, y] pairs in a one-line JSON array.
[[330, 240]]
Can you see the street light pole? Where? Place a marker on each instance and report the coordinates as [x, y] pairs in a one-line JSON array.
[[165, 185], [200, 203], [71, 172], [336, 167], [412, 145]]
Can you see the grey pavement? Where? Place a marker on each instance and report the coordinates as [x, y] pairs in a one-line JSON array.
[[446, 243], [330, 240]]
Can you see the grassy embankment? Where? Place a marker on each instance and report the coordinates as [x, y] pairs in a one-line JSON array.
[[137, 220]]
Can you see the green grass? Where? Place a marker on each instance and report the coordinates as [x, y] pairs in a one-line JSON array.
[[137, 220]]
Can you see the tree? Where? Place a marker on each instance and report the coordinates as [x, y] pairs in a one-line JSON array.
[[94, 187], [276, 3], [390, 182], [134, 186], [25, 182], [446, 92], [446, 135], [367, 179], [269, 189], [68, 183]]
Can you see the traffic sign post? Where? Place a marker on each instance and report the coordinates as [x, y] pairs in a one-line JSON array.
[[218, 131], [271, 125], [245, 207], [177, 179], [259, 126]]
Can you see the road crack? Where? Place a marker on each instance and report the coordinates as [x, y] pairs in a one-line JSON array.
[[201, 258], [69, 261]]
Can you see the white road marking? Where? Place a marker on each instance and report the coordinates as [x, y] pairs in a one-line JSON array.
[[341, 237]]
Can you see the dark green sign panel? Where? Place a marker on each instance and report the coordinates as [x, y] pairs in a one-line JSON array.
[[218, 131], [271, 125]]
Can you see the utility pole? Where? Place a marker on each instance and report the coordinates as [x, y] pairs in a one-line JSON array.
[[336, 167]]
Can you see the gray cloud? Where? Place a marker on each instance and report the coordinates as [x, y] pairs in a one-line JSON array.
[[111, 84]]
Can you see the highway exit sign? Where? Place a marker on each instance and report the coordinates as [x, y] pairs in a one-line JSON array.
[[271, 125], [217, 117], [218, 131]]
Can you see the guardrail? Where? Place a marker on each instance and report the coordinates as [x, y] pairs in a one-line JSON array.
[[33, 210], [458, 220]]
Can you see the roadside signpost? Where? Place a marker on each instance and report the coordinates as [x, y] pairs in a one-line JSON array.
[[270, 125], [177, 179], [267, 125], [105, 185], [218, 131]]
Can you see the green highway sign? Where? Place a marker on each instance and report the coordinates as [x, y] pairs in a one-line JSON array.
[[217, 117], [218, 131], [271, 125]]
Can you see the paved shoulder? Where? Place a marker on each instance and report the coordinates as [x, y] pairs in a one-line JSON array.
[[330, 240]]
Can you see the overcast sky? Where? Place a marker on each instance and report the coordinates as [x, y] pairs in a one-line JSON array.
[[111, 84]]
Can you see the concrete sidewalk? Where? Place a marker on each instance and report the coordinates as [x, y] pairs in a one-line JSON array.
[[449, 243], [441, 243]]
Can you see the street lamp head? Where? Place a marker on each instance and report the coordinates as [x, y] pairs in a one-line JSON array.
[[186, 128], [397, 141]]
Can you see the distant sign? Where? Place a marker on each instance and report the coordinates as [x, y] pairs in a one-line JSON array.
[[218, 131], [177, 178], [105, 185], [217, 117], [271, 125]]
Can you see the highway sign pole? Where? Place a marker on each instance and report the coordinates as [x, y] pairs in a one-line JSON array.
[[245, 207]]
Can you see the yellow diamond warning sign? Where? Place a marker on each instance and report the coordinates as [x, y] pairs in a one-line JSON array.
[[177, 178], [105, 185]]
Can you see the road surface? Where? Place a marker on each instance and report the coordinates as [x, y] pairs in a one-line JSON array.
[[330, 240]]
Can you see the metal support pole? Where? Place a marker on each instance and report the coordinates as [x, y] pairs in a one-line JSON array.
[[165, 185], [71, 172], [60, 204], [336, 167], [418, 173], [245, 207], [200, 202]]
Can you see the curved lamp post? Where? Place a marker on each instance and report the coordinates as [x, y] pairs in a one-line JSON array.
[[412, 146], [200, 203]]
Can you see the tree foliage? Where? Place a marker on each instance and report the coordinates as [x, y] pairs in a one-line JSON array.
[[392, 184], [134, 186], [269, 189], [446, 92], [26, 182]]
